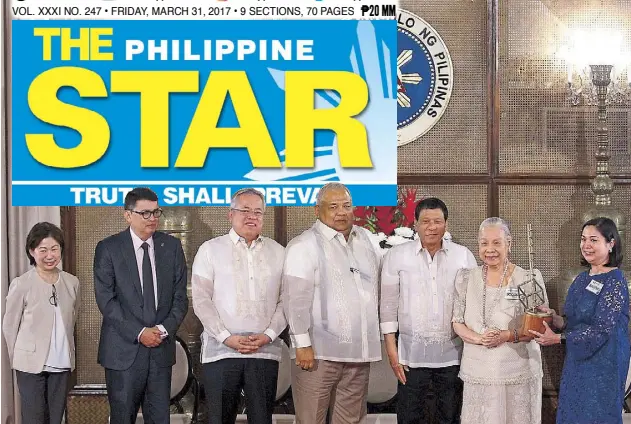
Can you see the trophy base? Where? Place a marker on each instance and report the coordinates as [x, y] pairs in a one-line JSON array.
[[534, 321]]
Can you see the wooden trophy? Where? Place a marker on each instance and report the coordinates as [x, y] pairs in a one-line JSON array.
[[531, 296]]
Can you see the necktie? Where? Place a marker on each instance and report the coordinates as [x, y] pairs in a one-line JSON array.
[[149, 305]]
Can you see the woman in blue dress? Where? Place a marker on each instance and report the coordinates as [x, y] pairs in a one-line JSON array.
[[594, 330]]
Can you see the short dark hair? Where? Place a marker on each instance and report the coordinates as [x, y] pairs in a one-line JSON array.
[[39, 232], [139, 193], [607, 228], [431, 203]]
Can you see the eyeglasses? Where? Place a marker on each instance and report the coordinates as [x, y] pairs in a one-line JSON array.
[[157, 213], [247, 212], [53, 298]]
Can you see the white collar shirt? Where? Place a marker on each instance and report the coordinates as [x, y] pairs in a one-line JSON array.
[[140, 254]]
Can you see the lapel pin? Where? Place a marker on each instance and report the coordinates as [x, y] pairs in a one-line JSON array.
[[161, 244]]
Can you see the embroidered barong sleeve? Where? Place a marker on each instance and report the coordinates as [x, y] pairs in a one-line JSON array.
[[588, 339], [379, 264], [203, 286], [389, 299], [278, 322], [297, 293], [460, 296]]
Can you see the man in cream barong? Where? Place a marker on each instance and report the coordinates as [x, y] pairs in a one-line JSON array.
[[330, 298], [417, 291], [236, 296]]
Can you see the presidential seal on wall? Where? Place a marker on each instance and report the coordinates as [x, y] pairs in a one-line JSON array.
[[424, 77]]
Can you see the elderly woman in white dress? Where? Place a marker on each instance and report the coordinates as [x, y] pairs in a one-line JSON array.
[[501, 368]]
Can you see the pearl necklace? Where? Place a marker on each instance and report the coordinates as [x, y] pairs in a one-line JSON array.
[[499, 289]]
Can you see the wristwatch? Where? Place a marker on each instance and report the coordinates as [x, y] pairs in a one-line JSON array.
[[562, 338]]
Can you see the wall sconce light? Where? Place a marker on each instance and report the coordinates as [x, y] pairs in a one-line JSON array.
[[596, 47]]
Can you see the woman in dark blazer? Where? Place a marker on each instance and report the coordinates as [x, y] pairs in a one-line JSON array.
[[38, 326]]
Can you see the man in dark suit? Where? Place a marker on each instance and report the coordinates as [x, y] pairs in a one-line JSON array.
[[140, 288]]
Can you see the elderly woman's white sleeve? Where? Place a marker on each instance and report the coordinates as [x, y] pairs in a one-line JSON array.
[[460, 297]]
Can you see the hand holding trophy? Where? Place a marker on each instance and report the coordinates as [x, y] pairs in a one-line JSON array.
[[532, 295]]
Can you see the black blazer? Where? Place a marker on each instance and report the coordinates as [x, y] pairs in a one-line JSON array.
[[119, 297]]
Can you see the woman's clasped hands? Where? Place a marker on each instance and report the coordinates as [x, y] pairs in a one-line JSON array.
[[492, 338]]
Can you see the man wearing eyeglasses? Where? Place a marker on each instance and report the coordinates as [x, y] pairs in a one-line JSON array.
[[236, 295], [140, 287], [330, 286]]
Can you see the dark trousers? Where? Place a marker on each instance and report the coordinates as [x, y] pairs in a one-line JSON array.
[[413, 397], [146, 383], [224, 380], [43, 396]]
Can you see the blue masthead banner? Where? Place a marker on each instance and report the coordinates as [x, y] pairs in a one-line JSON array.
[[197, 110]]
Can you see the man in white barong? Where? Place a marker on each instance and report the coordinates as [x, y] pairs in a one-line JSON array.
[[236, 295], [330, 298], [417, 296]]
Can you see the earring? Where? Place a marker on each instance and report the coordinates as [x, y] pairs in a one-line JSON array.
[[610, 249]]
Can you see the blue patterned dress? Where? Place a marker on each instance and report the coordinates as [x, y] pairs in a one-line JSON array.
[[597, 350]]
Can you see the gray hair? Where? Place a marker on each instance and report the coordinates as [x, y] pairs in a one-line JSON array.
[[496, 222], [329, 187], [248, 190]]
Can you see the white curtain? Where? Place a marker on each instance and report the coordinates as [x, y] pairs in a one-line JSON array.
[[16, 223]]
